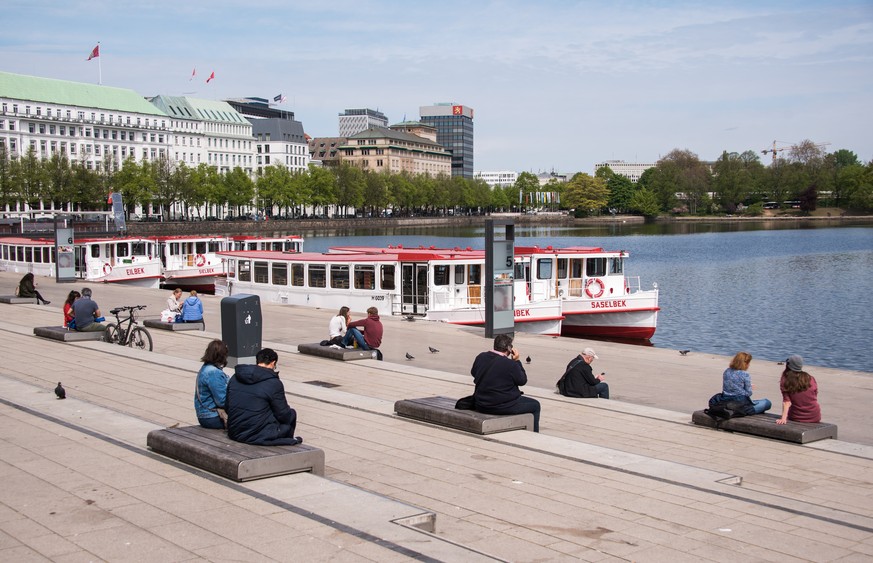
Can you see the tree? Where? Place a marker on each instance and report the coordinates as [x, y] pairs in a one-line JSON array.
[[274, 187], [320, 185], [621, 189], [239, 188], [645, 202], [59, 178], [525, 185], [350, 183], [376, 194], [689, 177], [586, 194]]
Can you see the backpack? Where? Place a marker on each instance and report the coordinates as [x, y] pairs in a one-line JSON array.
[[721, 409]]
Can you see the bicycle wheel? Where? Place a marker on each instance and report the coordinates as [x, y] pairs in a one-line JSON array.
[[140, 339], [111, 333]]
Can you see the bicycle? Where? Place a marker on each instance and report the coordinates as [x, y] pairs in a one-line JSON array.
[[132, 334]]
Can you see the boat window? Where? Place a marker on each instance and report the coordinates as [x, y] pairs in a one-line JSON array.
[[441, 274], [387, 277], [460, 270], [562, 268], [595, 267], [121, 249], [280, 273], [616, 266], [365, 277], [46, 255], [231, 268], [275, 246], [519, 271], [214, 246], [475, 274], [317, 275], [245, 271], [544, 269], [262, 270], [576, 267], [54, 256], [138, 249], [339, 276], [28, 254], [95, 251], [297, 275], [200, 247], [19, 251], [174, 249], [5, 252]]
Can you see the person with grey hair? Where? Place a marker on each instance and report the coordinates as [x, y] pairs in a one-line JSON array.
[[579, 379], [498, 374], [87, 312]]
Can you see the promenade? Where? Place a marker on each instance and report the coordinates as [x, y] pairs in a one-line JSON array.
[[628, 479]]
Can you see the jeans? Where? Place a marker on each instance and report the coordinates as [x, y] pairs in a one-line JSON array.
[[523, 406], [762, 405], [211, 422], [602, 389], [355, 334]]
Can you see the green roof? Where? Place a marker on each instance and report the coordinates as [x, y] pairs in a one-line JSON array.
[[63, 92], [199, 109]]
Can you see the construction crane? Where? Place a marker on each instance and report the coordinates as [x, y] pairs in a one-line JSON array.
[[775, 150]]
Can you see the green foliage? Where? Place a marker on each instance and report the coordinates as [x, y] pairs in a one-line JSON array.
[[645, 202], [586, 193], [526, 184]]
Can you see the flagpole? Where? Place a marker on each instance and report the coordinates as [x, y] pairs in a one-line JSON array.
[[99, 67]]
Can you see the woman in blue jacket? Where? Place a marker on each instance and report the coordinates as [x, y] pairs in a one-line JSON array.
[[192, 309], [211, 389]]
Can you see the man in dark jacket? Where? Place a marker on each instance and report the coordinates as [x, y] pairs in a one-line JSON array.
[[257, 411], [579, 379], [498, 374]]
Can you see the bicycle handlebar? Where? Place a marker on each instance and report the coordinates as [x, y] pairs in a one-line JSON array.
[[127, 308]]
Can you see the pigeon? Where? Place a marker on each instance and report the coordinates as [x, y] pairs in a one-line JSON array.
[[527, 360], [409, 356], [432, 349], [60, 391], [780, 364], [684, 352], [410, 318]]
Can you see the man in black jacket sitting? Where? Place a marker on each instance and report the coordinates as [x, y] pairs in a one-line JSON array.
[[257, 411], [579, 379], [498, 375]]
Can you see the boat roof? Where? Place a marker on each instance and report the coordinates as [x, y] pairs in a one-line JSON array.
[[263, 238], [170, 238], [77, 240], [359, 254]]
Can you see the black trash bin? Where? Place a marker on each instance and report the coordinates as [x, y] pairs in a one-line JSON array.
[[241, 328]]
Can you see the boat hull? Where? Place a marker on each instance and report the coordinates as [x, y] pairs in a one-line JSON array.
[[633, 316]]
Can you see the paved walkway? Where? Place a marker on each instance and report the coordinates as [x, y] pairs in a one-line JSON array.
[[626, 479]]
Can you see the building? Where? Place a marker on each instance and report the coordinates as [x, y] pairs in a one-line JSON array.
[[454, 125], [501, 179], [324, 151], [87, 123], [279, 138], [354, 121], [630, 170], [397, 149]]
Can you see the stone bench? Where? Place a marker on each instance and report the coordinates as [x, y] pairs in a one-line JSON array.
[[343, 354], [442, 411], [765, 425], [16, 300], [64, 334], [162, 325], [213, 451]]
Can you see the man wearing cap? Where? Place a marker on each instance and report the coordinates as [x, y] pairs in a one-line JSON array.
[[579, 379]]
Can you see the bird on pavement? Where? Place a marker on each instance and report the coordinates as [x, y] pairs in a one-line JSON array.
[[410, 318], [432, 349], [409, 356], [60, 391], [527, 360], [684, 352]]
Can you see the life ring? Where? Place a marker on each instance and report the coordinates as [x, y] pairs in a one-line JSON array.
[[199, 260], [598, 292], [107, 269]]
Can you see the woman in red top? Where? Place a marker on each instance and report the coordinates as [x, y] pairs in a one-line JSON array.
[[799, 393], [68, 307]]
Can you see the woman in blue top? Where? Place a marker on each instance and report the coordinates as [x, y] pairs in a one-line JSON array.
[[737, 383], [211, 391], [192, 309]]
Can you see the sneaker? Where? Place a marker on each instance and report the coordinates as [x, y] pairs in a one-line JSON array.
[[337, 346], [44, 302]]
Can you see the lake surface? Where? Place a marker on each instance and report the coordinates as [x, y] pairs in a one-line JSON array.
[[771, 290]]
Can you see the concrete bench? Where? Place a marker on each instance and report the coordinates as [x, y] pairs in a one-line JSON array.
[[162, 325], [213, 451], [64, 334], [344, 354], [442, 411], [765, 425], [16, 300]]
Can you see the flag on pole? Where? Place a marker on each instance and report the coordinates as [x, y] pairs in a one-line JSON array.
[[193, 74], [279, 99], [95, 52], [211, 77]]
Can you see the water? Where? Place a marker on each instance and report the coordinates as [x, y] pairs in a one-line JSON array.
[[723, 287]]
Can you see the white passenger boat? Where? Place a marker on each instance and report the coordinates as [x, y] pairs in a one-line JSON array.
[[437, 284], [192, 262], [598, 298], [128, 260]]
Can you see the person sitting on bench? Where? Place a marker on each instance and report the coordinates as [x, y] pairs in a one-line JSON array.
[[498, 374], [257, 411], [799, 393]]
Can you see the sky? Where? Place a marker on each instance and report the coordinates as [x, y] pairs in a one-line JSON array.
[[555, 85]]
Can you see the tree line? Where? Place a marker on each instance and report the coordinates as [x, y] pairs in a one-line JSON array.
[[680, 183]]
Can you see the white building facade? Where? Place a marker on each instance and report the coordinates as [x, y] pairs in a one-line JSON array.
[[499, 179], [354, 121], [630, 170]]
